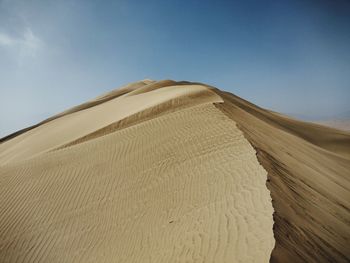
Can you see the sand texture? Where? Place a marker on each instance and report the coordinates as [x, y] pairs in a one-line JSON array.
[[165, 171], [308, 169], [152, 172]]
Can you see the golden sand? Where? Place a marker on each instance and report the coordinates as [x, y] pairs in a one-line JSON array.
[[176, 183], [165, 171]]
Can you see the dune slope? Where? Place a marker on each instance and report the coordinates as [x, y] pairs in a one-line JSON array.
[[153, 172], [308, 169]]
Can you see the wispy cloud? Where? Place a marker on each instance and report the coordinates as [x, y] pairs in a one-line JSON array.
[[6, 40], [25, 45]]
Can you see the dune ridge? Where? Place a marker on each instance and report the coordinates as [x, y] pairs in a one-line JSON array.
[[61, 130], [166, 171]]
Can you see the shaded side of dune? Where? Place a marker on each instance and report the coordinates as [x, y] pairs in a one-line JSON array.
[[308, 177]]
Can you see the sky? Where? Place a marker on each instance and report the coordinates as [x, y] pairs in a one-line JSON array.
[[288, 56]]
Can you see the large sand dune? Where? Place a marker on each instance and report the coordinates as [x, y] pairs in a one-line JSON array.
[[174, 172]]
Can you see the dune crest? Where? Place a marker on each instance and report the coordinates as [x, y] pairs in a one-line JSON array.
[[92, 116], [152, 172]]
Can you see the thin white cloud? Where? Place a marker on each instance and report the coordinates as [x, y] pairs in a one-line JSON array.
[[24, 45], [30, 43], [6, 40]]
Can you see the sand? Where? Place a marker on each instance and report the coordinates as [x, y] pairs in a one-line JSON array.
[[152, 172], [308, 169], [165, 171]]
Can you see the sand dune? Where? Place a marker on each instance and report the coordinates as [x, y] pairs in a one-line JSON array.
[[165, 171]]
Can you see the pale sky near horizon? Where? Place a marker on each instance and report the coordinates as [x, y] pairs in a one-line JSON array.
[[288, 56]]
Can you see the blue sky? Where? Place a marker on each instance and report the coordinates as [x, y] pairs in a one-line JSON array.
[[288, 56]]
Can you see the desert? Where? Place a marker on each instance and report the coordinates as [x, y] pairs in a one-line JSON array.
[[174, 171]]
